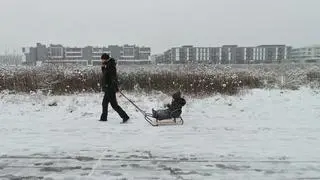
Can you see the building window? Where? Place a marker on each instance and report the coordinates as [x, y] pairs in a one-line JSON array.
[[128, 52]]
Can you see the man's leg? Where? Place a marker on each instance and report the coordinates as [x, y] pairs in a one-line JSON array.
[[105, 103], [117, 108]]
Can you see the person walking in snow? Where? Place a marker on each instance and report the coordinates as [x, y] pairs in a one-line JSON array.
[[110, 87]]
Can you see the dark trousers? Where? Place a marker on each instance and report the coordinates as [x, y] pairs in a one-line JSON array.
[[163, 114], [166, 114], [110, 97]]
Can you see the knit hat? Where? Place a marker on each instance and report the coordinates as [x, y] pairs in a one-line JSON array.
[[105, 56]]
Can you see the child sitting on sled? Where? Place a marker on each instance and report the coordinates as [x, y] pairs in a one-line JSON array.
[[173, 110]]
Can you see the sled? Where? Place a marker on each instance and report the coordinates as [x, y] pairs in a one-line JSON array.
[[172, 120]]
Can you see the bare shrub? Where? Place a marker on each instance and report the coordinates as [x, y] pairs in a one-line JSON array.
[[191, 79]]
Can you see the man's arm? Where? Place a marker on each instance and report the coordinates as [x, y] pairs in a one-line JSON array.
[[103, 66], [114, 77]]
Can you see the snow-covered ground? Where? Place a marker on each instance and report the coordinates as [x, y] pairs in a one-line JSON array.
[[260, 134]]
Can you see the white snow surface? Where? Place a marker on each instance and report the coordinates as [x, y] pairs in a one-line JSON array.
[[259, 134]]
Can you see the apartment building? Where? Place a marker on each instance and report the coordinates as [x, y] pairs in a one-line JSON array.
[[55, 52], [144, 53], [309, 54], [271, 53], [10, 59], [227, 54], [91, 54], [73, 53], [96, 52], [186, 54], [34, 54]]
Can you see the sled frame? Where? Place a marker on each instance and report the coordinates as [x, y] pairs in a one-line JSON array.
[[174, 120]]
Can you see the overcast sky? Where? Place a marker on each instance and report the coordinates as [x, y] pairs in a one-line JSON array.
[[159, 24]]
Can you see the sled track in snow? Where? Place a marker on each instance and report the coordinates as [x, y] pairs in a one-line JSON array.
[[157, 159], [148, 166], [191, 160]]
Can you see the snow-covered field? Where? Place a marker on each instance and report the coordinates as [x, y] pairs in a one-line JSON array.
[[260, 134]]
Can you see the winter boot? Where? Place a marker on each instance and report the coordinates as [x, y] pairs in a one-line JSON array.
[[124, 120], [103, 118]]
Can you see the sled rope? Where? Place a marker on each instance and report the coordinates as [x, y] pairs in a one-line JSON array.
[[143, 112]]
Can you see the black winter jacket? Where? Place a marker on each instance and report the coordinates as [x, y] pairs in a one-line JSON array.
[[109, 78], [177, 102]]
